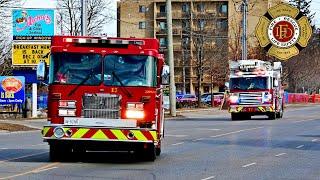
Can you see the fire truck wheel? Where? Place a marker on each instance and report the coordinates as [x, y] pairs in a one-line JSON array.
[[235, 116], [272, 116], [147, 154], [158, 151]]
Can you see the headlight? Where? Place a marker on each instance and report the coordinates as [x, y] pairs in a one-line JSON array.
[[135, 114], [267, 98], [67, 104], [234, 98]]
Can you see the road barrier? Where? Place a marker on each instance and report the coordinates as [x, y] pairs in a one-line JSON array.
[[291, 98]]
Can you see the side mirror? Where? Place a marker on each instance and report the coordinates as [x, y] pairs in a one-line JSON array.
[[41, 71], [165, 75], [276, 83]]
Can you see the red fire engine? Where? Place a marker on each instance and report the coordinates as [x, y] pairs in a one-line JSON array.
[[255, 89], [105, 94]]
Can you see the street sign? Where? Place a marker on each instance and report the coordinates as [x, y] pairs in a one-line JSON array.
[[33, 24], [30, 54], [283, 31], [12, 90]]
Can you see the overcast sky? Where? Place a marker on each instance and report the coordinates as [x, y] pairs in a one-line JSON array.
[[111, 28]]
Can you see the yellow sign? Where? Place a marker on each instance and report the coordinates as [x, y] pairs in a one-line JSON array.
[[30, 54], [283, 31]]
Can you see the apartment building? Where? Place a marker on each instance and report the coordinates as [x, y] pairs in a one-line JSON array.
[[206, 34]]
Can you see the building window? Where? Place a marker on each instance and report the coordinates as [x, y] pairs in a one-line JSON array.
[[223, 9], [142, 9], [200, 7], [163, 42], [163, 25], [142, 25], [201, 24], [162, 8], [222, 25], [185, 8]]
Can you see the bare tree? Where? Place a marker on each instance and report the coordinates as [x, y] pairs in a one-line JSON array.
[[211, 50], [5, 35], [69, 16]]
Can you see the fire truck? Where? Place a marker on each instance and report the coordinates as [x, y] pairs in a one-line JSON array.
[[105, 94], [255, 89]]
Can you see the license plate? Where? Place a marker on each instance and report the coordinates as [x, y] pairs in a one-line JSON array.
[[72, 121]]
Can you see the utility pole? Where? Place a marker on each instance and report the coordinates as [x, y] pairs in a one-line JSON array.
[[244, 29], [170, 59], [83, 18]]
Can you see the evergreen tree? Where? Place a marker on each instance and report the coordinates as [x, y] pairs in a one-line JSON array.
[[304, 7]]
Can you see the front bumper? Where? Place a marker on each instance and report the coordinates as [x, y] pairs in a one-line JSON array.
[[250, 109], [101, 134]]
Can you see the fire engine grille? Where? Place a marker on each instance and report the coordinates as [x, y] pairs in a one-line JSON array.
[[250, 98], [101, 106]]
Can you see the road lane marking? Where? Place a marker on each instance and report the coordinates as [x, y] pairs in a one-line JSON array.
[[209, 129], [177, 135], [281, 154], [41, 144], [36, 170], [251, 164], [21, 157], [235, 132], [177, 144], [305, 120], [46, 169], [200, 139], [3, 148], [211, 177], [314, 140], [298, 147]]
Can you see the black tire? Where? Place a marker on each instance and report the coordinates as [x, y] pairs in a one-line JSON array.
[[59, 152], [55, 153], [234, 116], [272, 116], [146, 154], [158, 151]]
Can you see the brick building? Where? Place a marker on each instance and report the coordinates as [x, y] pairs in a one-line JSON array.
[[205, 35]]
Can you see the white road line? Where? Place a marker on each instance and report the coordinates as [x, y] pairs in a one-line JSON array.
[[41, 144], [25, 156], [280, 154], [177, 144], [251, 164], [37, 170], [313, 119], [211, 177], [209, 129], [178, 135], [234, 132], [3, 148], [200, 139], [314, 140], [298, 147], [46, 169]]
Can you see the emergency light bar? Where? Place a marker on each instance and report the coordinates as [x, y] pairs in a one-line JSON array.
[[103, 41]]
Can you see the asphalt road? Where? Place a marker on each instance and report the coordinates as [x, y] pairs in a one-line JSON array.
[[204, 145]]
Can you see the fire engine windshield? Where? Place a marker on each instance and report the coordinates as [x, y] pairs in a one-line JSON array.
[[75, 68], [130, 70], [248, 83]]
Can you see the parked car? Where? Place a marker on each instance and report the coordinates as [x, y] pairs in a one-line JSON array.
[[217, 97], [188, 98]]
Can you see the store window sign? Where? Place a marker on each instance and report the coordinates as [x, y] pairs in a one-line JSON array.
[[33, 22], [12, 90]]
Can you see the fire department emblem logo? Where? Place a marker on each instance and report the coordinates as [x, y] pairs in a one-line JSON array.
[[283, 31]]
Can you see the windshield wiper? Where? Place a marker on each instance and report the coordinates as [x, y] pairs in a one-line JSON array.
[[122, 85], [81, 83]]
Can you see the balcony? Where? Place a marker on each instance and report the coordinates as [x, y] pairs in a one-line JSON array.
[[161, 15], [160, 31]]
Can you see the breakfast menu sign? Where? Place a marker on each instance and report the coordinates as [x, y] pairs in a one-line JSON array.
[[12, 89]]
